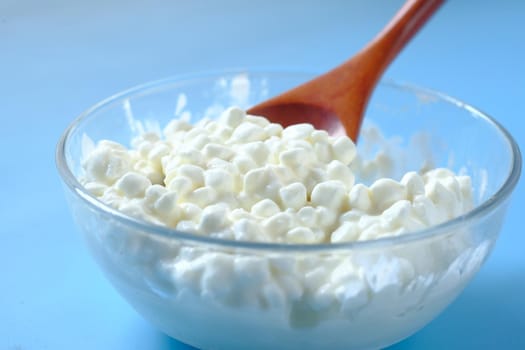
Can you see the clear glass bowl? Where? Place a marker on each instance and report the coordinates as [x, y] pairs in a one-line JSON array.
[[217, 294]]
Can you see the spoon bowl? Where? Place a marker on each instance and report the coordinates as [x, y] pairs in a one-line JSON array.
[[295, 112]]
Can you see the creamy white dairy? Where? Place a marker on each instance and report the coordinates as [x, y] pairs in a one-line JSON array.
[[243, 178]]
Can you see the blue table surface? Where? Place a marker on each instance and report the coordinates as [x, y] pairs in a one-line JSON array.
[[58, 57]]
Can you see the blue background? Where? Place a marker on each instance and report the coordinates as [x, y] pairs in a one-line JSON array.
[[58, 57]]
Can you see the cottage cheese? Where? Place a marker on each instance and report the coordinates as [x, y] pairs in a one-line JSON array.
[[243, 178], [240, 177]]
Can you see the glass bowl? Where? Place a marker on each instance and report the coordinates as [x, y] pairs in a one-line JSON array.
[[219, 294]]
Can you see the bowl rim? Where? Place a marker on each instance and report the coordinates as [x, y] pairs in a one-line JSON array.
[[165, 232]]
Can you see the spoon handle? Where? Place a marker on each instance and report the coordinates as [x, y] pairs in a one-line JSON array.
[[359, 75], [403, 26]]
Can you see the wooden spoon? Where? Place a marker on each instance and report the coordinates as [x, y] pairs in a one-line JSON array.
[[340, 96]]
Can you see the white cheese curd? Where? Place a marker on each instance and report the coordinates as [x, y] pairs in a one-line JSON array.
[[240, 177], [243, 162]]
